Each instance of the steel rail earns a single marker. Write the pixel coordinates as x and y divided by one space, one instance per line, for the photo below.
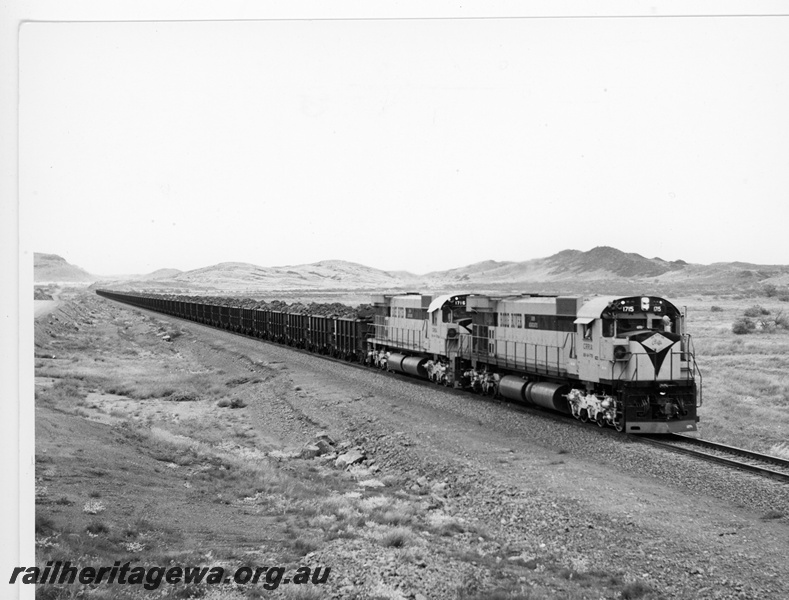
669 442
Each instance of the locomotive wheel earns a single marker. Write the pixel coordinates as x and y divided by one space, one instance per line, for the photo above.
619 425
583 416
599 420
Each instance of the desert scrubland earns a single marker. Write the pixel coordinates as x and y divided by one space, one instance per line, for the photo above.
162 442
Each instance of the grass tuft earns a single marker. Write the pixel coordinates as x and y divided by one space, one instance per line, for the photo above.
44 525
396 538
634 590
780 450
97 527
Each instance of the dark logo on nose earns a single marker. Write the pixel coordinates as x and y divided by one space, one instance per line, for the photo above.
657 346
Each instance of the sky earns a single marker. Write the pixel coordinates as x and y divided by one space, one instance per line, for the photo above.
405 144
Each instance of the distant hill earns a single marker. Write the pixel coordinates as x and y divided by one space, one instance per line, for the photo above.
54 268
610 265
610 260
602 267
327 274
160 274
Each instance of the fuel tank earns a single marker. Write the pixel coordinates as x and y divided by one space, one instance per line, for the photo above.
513 388
548 395
395 362
413 365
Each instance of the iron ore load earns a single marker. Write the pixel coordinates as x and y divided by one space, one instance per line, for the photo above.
625 362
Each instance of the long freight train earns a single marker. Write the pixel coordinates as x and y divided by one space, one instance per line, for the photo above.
623 362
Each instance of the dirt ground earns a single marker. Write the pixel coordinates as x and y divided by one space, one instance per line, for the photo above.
161 441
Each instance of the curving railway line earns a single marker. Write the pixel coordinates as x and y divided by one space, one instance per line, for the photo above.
730 456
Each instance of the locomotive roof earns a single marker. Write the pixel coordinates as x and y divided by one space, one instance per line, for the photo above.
439 301
595 307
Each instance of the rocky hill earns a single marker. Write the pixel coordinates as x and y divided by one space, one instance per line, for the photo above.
328 274
566 271
606 264
53 268
601 263
160 274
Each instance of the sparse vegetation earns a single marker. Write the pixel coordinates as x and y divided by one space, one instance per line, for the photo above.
780 450
756 311
304 546
747 324
97 527
635 589
743 325
93 507
228 403
183 396
396 537
772 514
769 290
44 525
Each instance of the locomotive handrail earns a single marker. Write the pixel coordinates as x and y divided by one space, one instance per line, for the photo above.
627 368
691 352
542 362
408 338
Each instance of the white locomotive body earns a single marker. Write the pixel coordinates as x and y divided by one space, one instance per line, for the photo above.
620 361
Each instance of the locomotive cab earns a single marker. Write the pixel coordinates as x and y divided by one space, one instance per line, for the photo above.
635 355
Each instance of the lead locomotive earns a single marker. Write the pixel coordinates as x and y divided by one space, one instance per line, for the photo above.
624 362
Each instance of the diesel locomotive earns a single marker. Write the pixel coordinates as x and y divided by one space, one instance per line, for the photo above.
624 362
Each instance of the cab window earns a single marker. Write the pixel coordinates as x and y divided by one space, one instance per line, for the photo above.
608 328
663 324
627 325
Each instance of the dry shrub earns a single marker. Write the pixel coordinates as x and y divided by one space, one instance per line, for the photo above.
303 592
374 503
636 589
780 450
44 525
340 507
183 396
743 325
445 525
396 537
97 527
395 517
756 311
304 546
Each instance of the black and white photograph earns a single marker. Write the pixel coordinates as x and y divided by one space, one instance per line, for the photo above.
395 301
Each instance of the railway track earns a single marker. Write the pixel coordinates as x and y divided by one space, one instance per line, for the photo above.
739 458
